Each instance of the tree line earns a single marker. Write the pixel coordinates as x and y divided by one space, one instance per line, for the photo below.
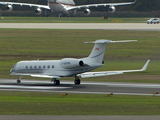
140 6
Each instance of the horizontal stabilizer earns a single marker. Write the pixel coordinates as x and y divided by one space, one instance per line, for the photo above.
110 41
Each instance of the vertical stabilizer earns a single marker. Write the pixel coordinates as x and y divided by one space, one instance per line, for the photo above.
98 51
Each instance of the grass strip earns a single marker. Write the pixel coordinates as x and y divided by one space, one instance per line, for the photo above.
26 103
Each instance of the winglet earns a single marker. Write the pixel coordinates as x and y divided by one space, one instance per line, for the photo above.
145 66
134 1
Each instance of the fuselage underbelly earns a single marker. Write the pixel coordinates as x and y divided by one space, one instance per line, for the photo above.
60 7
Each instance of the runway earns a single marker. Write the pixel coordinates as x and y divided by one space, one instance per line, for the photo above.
95 26
78 117
84 88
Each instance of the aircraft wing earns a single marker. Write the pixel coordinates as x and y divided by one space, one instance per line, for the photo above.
25 4
97 5
45 76
106 73
40 76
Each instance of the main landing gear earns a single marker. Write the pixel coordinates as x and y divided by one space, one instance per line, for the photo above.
77 81
55 81
19 79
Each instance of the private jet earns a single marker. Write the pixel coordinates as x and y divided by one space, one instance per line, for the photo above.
64 7
69 67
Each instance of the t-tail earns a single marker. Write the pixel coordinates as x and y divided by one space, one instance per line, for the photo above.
98 51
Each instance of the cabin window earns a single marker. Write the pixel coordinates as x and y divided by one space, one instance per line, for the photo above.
26 67
52 66
35 67
39 66
31 67
48 66
44 66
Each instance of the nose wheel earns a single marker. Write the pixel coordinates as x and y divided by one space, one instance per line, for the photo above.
77 81
19 79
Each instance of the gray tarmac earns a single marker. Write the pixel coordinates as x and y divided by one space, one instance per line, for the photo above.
99 26
85 87
77 117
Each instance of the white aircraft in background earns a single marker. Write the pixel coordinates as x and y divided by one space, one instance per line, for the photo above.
61 7
68 67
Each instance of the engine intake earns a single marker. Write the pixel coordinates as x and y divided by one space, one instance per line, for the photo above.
38 11
69 63
9 7
112 9
87 11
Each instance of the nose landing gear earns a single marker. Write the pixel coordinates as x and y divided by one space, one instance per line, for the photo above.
19 79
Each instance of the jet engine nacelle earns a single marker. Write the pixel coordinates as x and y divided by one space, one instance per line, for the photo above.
9 7
87 11
69 63
112 9
38 11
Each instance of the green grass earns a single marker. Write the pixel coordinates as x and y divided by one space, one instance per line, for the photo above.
30 103
22 44
69 20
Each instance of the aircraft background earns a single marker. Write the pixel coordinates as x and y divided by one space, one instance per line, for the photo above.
65 7
140 6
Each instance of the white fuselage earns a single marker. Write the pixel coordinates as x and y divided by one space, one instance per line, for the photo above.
49 67
65 67
59 7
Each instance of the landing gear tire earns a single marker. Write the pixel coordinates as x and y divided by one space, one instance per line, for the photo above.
56 82
77 82
18 81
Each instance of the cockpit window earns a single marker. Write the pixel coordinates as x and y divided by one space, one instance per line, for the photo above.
14 66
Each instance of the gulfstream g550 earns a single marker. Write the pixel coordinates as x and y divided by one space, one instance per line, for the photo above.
67 7
67 67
